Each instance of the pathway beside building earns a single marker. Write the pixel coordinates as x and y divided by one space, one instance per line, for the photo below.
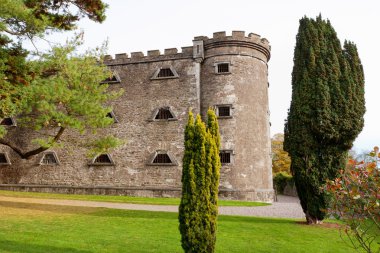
285 207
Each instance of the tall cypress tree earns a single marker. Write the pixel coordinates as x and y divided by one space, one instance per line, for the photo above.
200 180
326 111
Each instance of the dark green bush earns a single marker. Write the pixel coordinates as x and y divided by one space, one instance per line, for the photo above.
280 180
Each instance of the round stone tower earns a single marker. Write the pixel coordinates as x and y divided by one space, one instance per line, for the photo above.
234 81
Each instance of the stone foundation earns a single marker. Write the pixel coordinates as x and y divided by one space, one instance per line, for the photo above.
152 192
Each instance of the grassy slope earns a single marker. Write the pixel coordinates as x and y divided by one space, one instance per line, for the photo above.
120 199
35 228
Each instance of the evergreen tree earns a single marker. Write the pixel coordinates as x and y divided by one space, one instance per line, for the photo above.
200 180
55 90
326 111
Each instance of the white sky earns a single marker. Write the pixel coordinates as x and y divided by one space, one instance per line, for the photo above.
145 25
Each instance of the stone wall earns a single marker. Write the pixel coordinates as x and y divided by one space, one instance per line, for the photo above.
196 86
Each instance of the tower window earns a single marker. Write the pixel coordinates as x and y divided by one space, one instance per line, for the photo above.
49 158
222 68
8 122
224 111
102 159
4 160
225 156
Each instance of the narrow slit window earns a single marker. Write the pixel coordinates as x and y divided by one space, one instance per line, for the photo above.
225 157
49 159
162 158
165 72
4 160
8 122
164 113
223 68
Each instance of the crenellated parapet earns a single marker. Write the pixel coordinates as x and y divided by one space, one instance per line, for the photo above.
150 56
237 39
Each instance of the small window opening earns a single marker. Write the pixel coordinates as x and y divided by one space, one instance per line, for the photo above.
4 159
162 158
223 68
112 116
165 72
225 157
224 111
103 159
164 113
112 79
8 122
49 159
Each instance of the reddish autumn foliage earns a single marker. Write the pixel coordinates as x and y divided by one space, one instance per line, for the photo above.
355 199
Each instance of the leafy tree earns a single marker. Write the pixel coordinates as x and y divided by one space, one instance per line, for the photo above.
326 111
200 180
57 90
280 158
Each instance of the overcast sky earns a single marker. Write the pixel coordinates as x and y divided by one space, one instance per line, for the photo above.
145 25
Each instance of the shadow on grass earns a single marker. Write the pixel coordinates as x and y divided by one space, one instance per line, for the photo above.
47 207
256 220
91 211
23 247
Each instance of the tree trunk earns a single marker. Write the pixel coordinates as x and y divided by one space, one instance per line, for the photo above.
312 220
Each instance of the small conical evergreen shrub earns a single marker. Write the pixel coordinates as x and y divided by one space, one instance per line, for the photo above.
200 180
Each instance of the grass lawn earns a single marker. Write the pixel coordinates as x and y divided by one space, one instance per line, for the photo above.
120 199
36 228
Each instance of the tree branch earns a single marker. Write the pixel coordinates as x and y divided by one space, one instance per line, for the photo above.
12 32
29 154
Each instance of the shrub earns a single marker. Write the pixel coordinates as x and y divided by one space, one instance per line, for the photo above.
355 200
280 180
200 181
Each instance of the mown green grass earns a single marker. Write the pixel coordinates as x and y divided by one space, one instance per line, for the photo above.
120 199
37 228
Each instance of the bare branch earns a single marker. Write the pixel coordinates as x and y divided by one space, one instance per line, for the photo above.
29 154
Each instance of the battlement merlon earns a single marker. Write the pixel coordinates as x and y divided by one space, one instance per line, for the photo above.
200 43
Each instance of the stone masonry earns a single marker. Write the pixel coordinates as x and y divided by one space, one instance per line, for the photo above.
228 73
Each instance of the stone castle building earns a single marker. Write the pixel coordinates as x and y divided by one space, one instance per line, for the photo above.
228 73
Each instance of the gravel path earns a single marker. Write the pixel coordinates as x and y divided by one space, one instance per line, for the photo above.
285 207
